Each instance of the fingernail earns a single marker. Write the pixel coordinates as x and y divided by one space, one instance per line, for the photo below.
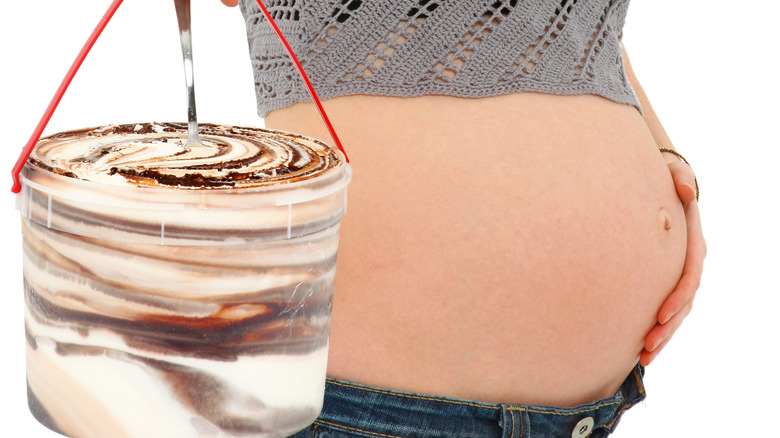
657 343
667 318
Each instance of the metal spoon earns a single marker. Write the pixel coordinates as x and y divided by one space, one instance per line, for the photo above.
185 34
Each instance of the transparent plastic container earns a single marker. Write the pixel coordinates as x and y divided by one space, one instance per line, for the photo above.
176 313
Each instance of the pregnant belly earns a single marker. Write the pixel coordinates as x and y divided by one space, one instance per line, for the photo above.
505 256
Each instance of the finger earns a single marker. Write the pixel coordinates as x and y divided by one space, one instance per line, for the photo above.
230 3
693 266
683 295
660 336
684 180
647 357
695 232
663 332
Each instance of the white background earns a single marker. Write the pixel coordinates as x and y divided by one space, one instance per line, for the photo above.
711 72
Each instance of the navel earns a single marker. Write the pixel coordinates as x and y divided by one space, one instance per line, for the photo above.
664 219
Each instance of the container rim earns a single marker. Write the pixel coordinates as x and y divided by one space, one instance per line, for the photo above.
280 194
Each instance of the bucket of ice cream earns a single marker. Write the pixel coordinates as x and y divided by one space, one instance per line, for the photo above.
176 292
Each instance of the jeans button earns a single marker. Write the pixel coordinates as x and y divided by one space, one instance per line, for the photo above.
583 428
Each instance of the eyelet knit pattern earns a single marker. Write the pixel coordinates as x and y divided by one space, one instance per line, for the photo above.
418 47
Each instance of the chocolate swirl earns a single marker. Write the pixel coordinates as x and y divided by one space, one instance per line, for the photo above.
154 155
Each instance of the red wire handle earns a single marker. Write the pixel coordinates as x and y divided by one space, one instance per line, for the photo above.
305 78
36 135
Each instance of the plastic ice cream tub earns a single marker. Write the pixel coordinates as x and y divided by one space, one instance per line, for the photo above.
174 292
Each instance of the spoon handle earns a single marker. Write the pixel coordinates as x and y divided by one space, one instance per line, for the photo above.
185 35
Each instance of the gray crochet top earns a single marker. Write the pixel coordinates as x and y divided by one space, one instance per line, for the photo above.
461 48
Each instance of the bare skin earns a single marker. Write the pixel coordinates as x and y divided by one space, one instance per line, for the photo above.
506 260
572 250
679 303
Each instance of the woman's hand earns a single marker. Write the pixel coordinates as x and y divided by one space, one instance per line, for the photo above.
230 3
678 303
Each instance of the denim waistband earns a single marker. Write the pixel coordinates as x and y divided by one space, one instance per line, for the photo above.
366 411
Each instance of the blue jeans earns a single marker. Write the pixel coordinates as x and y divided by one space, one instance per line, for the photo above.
353 410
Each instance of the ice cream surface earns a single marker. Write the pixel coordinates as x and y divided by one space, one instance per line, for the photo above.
154 155
174 293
